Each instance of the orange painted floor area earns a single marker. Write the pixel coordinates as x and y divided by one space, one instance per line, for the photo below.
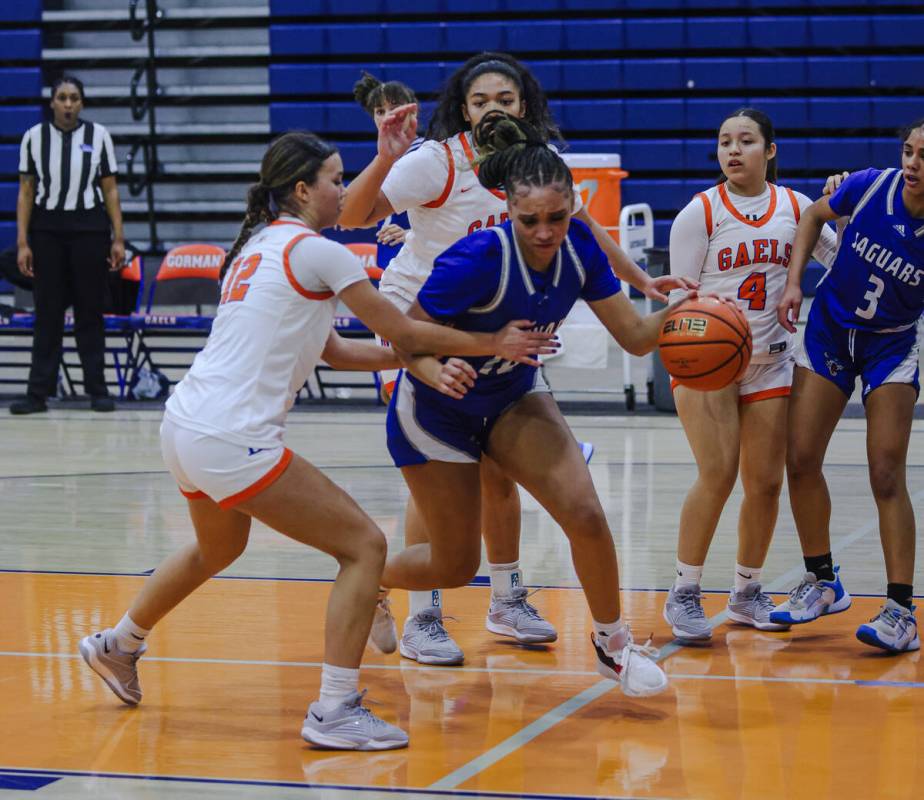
811 713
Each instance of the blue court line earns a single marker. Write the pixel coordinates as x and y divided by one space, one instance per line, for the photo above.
58 774
566 709
478 580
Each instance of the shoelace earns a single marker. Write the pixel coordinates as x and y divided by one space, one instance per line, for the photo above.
691 603
802 591
892 617
764 602
435 629
365 712
518 601
644 649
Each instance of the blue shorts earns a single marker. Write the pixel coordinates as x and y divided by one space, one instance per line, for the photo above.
843 354
420 430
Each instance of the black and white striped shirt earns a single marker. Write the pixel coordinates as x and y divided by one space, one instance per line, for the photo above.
67 167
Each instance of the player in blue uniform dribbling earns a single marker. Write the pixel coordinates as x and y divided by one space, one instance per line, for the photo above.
865 322
533 267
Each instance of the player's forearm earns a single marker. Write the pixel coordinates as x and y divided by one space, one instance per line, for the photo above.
807 235
644 336
424 368
623 266
423 338
24 203
362 357
361 195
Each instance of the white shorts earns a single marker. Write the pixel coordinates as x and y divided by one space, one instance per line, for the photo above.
766 381
400 301
227 473
763 381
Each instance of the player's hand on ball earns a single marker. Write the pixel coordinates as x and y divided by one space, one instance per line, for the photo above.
455 378
516 342
399 129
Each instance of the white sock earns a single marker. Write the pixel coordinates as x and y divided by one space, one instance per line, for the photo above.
612 636
424 601
129 636
746 575
688 575
505 578
337 684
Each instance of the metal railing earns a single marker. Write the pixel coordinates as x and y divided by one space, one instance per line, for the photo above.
143 180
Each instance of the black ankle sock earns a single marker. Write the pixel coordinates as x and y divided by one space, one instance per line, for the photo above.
901 593
821 566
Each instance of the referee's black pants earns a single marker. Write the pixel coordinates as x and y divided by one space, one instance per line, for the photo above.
70 269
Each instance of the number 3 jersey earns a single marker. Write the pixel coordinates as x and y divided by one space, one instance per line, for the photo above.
877 280
740 247
483 282
277 304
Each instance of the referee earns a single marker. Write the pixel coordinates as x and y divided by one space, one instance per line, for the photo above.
69 234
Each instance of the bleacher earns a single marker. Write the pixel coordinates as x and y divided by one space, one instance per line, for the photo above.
836 80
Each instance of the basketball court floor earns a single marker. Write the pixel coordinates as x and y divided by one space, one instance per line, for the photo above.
88 509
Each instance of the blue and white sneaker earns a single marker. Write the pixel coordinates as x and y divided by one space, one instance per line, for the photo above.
894 629
587 450
812 599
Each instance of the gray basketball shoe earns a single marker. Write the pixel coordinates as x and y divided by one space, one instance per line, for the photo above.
427 641
351 726
119 670
683 611
752 606
513 616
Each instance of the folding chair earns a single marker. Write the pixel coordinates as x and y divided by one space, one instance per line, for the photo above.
188 275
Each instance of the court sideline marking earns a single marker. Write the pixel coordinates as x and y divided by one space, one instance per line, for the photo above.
561 712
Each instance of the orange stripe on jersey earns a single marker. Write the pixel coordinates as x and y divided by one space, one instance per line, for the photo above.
291 276
768 214
707 210
766 394
450 180
470 155
795 204
260 485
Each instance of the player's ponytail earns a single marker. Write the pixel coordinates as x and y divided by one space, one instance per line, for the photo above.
513 153
293 157
371 93
766 131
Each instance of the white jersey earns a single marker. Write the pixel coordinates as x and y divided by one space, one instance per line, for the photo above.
274 317
437 184
740 247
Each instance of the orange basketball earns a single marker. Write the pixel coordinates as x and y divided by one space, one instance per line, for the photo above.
705 344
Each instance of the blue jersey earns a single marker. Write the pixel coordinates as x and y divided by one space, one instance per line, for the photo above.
483 282
386 252
876 282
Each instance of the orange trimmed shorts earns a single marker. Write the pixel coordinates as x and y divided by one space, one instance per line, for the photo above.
763 381
227 473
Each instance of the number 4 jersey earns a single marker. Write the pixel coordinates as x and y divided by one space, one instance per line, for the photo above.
740 247
877 280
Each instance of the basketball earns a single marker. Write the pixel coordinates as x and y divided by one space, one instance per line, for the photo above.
705 344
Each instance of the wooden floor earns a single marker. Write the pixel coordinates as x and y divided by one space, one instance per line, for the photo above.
88 509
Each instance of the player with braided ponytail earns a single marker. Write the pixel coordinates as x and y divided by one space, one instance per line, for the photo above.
223 431
539 262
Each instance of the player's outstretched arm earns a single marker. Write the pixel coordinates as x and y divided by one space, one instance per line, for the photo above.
364 203
340 353
807 235
627 270
515 342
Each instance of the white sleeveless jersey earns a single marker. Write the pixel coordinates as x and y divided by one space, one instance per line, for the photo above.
748 251
437 185
274 317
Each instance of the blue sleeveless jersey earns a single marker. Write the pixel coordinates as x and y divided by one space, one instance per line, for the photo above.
482 282
876 282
